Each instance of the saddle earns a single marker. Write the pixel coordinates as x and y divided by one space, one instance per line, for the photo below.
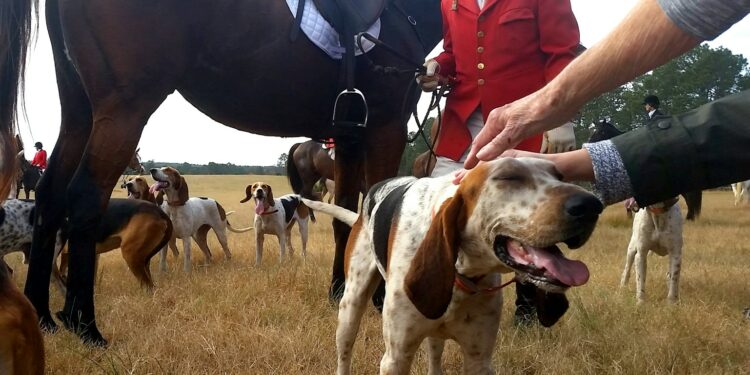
360 13
348 18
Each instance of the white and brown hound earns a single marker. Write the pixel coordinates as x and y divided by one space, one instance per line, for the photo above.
191 217
441 249
657 228
139 228
741 192
277 216
138 188
21 342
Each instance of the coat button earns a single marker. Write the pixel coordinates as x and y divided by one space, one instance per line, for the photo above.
664 124
480 34
480 81
480 66
480 49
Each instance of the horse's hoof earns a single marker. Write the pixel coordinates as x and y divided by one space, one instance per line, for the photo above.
47 324
88 333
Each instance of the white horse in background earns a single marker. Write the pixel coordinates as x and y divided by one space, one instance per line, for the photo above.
741 192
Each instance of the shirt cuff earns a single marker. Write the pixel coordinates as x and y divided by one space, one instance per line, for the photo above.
611 181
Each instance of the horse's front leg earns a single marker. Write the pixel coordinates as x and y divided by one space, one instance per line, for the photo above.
50 201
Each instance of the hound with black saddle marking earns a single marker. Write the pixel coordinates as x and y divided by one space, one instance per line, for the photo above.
191 217
277 216
442 248
656 228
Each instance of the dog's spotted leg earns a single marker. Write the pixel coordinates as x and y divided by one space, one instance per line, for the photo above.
640 274
673 281
628 264
258 247
186 248
435 348
362 279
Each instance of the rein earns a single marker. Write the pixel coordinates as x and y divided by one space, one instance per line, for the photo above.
469 286
443 89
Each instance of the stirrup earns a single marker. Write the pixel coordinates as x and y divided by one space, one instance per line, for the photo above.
350 109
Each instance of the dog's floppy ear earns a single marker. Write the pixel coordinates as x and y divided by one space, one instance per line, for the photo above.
269 198
248 193
159 199
182 191
429 282
550 307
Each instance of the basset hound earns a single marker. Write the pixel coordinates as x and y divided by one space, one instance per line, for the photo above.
276 216
21 342
138 188
441 249
656 228
138 228
191 217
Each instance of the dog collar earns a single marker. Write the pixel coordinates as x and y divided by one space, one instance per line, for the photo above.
665 206
270 212
469 285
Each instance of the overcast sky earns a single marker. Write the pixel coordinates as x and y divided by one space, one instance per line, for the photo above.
202 140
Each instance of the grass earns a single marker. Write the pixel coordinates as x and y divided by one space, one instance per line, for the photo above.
234 318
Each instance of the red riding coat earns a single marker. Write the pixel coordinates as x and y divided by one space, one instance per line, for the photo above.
40 159
506 51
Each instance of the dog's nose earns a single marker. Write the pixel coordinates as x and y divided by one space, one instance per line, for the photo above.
582 206
153 170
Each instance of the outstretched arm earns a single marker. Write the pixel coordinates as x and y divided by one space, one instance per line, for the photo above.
645 39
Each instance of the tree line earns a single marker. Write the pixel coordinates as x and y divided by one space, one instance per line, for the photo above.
218 168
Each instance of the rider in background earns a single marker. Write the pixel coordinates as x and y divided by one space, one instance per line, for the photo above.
40 158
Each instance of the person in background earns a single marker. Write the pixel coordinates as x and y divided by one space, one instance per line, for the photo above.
497 51
40 157
651 105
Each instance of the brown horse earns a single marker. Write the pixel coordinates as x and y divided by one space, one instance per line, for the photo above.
230 59
135 164
308 163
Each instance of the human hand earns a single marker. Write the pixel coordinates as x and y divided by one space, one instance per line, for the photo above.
510 124
429 81
572 165
559 139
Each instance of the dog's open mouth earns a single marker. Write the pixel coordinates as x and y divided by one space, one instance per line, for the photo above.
132 193
545 267
259 206
158 185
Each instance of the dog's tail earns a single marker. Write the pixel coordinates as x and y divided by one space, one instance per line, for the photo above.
346 216
232 229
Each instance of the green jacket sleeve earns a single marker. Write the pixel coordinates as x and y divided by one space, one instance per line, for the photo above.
700 149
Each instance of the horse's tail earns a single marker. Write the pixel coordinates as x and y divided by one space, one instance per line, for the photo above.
292 173
15 28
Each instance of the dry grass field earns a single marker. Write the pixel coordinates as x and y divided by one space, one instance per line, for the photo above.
234 318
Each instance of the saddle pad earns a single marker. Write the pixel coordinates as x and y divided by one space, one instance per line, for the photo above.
322 34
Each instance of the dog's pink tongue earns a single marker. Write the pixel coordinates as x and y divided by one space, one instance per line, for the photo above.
259 207
156 186
569 272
